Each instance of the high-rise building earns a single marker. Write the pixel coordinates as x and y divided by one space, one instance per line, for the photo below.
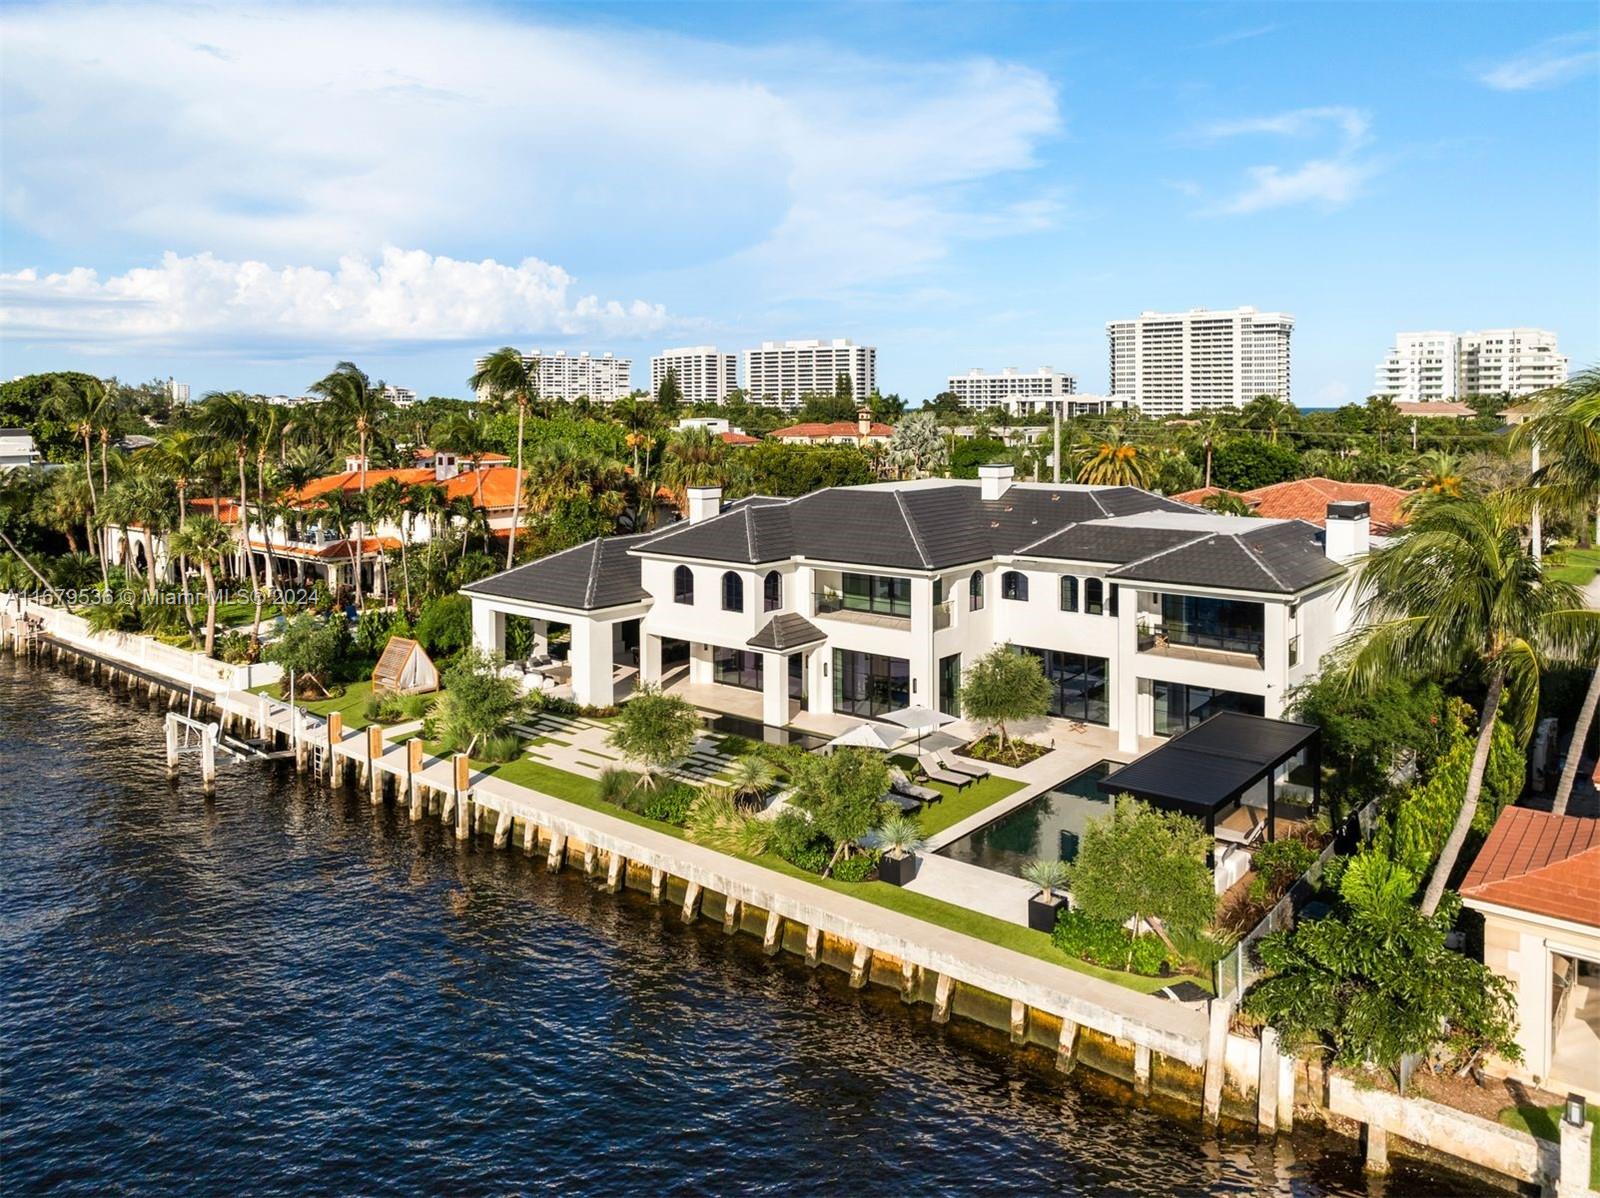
703 374
177 392
1176 362
565 376
401 397
1017 391
1493 362
782 373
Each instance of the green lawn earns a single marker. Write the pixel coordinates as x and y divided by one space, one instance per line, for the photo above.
351 704
241 612
958 804
1576 566
1544 1123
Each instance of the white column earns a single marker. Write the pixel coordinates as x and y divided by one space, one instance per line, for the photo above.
1124 629
541 637
649 658
924 680
774 689
488 627
1275 657
819 681
591 663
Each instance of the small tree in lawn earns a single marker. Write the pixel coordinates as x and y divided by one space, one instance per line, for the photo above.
1004 687
478 701
843 793
308 647
1147 866
655 730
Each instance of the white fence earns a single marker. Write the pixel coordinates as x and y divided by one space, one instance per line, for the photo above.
143 653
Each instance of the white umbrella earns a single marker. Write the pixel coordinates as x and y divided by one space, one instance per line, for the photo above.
919 719
867 736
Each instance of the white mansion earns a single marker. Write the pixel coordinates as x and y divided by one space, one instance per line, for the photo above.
1147 614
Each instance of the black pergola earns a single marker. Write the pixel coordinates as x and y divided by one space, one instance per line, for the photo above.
1214 765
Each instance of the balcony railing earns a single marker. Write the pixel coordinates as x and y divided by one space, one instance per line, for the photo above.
1173 635
832 603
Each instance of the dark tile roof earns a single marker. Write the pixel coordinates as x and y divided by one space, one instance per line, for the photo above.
788 630
1281 558
597 574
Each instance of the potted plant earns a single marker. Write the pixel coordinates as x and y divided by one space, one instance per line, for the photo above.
899 838
1049 874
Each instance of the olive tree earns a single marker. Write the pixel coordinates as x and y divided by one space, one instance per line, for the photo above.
1004 687
655 730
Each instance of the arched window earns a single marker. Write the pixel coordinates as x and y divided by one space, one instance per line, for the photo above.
1093 596
683 585
1014 585
732 592
975 591
772 591
1069 592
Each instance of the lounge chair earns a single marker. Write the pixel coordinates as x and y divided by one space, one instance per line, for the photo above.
923 794
960 767
936 773
906 803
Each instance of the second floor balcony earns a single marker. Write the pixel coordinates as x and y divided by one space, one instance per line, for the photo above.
1219 631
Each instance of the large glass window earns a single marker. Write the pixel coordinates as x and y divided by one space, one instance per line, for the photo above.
1093 596
1234 625
732 591
736 667
1014 585
1080 684
877 593
869 683
772 591
1069 592
683 585
1179 707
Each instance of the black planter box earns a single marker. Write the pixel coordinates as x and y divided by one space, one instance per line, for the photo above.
897 871
1042 912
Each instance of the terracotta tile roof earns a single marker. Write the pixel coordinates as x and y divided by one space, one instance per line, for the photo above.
738 439
333 549
499 483
1434 407
1542 863
427 452
1308 499
227 510
838 428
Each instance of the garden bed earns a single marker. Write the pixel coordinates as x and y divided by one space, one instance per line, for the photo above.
1016 752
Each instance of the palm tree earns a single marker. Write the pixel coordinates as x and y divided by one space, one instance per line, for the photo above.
694 458
266 439
229 418
205 540
357 402
1210 430
1436 473
1384 417
465 435
66 504
84 411
1566 426
1112 461
751 777
389 500
1459 589
506 376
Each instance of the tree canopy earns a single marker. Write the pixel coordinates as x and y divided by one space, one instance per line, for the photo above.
1004 687
1137 863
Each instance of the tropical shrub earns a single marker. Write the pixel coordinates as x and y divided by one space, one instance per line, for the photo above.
310 648
500 746
1003 687
1277 864
477 702
445 625
655 730
1374 981
1106 942
856 869
1141 865
715 819
799 842
616 786
373 630
668 803
233 647
842 792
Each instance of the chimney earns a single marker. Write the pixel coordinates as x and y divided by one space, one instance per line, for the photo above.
704 503
994 480
1349 530
864 422
445 466
352 463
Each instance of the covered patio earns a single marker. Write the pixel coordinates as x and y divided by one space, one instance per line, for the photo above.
1238 774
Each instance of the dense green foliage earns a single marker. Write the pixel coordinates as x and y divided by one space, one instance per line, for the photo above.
1106 942
309 647
1244 463
1004 687
842 794
655 730
1375 981
444 625
478 702
1277 864
1366 736
1139 864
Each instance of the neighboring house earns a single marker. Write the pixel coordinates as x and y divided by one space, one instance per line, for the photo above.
864 430
1536 882
305 548
1308 499
17 448
1146 615
719 428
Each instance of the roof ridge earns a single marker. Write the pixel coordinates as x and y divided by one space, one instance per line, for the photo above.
1150 557
1071 524
749 535
916 538
1257 557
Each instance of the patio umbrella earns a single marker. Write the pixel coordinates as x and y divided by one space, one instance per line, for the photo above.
919 719
867 736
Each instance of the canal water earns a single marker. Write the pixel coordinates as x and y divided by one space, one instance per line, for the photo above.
285 993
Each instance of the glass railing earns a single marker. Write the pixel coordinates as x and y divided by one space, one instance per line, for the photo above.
1179 634
832 602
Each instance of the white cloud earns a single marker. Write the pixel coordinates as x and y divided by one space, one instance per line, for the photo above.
302 134
1551 63
1238 35
1330 180
406 297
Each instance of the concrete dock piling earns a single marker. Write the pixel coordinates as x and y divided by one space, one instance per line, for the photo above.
1019 1021
557 853
860 966
463 780
658 883
730 915
413 780
691 902
772 938
615 871
335 738
1141 1068
943 991
813 945
374 774
1066 1046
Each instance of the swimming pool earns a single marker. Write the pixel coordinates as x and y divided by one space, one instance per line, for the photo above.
1048 824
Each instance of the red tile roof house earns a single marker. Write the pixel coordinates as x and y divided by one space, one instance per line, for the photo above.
1536 882
863 431
1308 499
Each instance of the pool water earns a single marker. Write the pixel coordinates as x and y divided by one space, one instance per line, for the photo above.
1047 825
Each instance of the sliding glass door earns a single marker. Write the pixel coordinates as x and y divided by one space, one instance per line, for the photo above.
869 684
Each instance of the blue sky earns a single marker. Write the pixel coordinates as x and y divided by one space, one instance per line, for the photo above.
239 196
